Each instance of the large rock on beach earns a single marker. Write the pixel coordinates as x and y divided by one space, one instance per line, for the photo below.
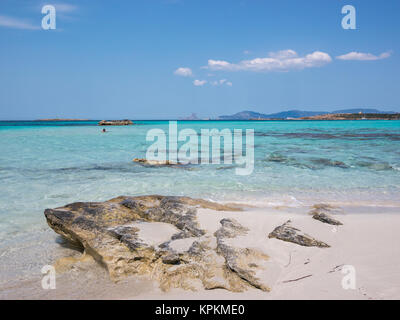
247 263
160 237
287 232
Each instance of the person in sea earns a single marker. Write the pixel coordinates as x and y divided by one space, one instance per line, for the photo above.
104 130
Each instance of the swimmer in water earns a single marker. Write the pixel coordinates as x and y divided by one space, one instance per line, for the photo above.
104 130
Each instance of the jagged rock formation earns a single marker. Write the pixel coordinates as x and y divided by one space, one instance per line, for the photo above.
319 212
230 229
160 237
288 233
243 261
326 219
115 123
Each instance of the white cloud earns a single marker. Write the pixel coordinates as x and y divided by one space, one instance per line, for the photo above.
276 61
283 54
221 82
183 72
64 7
364 56
218 64
16 23
199 83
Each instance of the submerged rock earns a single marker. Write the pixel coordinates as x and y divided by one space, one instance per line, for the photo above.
160 237
288 233
156 163
329 163
276 157
377 166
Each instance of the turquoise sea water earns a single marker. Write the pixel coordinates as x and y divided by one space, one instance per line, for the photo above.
50 164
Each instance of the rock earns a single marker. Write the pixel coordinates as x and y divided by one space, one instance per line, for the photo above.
198 247
136 235
171 259
276 157
165 163
155 162
288 233
330 163
115 123
320 211
244 262
230 229
323 206
326 219
127 235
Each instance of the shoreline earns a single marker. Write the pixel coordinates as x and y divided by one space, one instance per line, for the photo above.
294 272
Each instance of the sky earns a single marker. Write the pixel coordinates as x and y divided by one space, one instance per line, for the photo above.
164 59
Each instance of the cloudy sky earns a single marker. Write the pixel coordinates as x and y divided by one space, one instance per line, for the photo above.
157 59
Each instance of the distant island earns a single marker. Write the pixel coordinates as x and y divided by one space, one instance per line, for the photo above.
193 116
355 116
299 114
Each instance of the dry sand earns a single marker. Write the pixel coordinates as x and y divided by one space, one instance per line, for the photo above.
368 242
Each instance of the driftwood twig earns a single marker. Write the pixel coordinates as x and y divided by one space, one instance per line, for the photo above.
293 280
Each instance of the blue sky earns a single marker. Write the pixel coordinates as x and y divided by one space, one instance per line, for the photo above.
155 59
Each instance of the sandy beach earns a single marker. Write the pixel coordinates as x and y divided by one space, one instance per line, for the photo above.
366 242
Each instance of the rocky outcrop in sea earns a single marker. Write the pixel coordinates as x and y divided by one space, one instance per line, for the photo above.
115 123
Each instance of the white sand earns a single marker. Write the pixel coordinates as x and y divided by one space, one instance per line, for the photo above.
369 241
155 233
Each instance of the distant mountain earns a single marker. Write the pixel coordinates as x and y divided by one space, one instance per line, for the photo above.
362 110
193 116
294 114
247 115
244 115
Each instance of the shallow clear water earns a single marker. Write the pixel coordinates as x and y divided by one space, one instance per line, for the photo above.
51 164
